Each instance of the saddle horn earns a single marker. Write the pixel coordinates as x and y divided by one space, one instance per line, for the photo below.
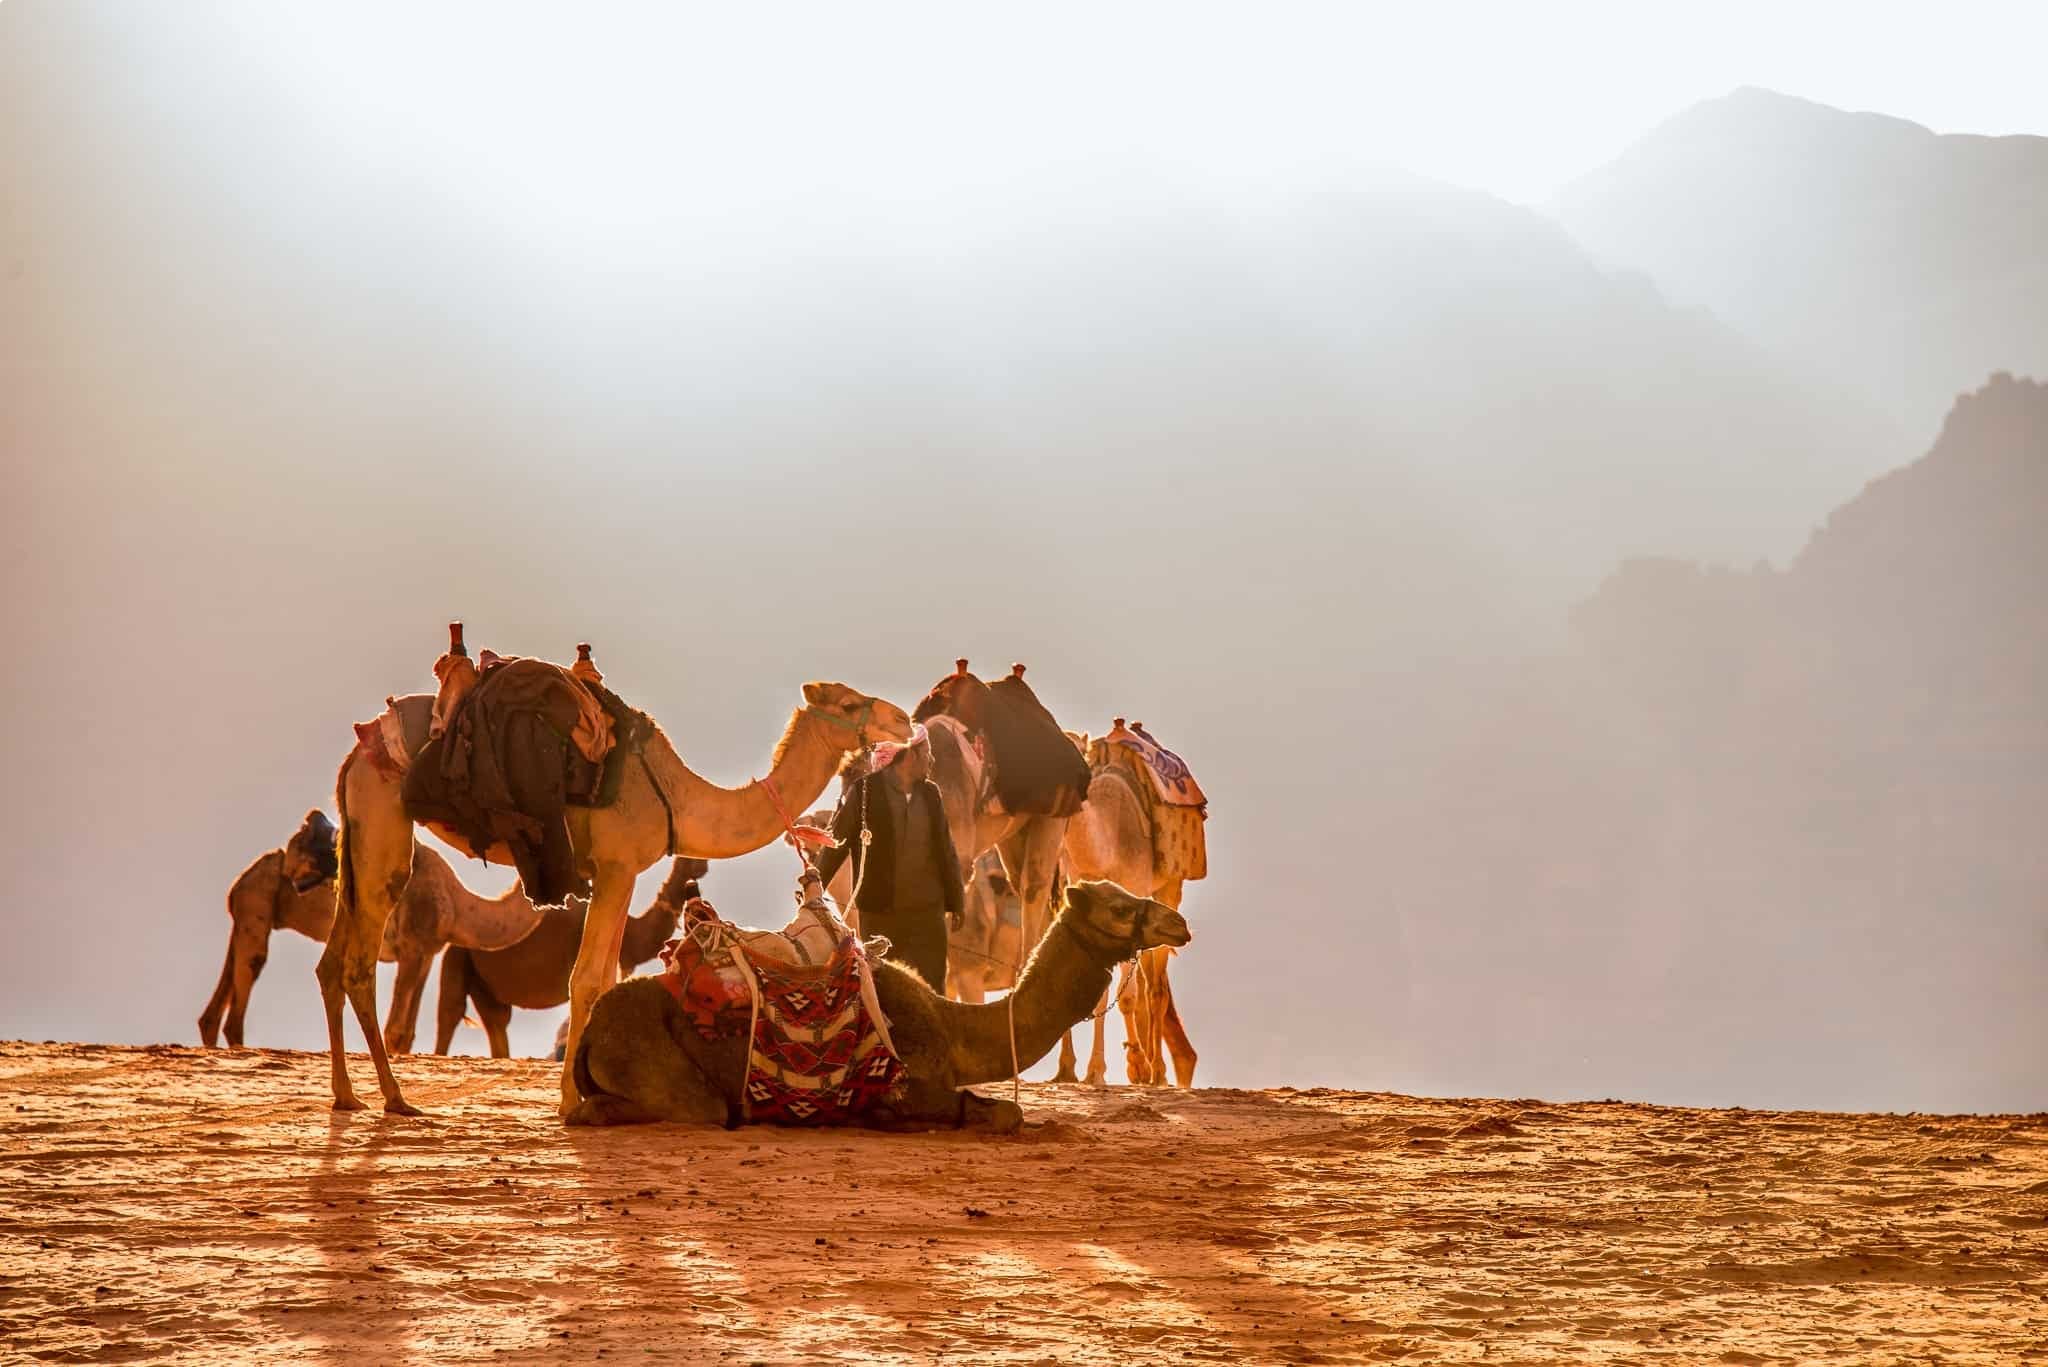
455 645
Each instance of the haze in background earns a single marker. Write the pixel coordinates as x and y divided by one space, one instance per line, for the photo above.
1898 263
1152 349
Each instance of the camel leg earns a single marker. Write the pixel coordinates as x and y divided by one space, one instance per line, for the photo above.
1177 1042
1133 1002
497 1018
249 951
597 961
377 847
1152 967
454 998
1098 1066
407 990
209 1019
329 971
1165 1019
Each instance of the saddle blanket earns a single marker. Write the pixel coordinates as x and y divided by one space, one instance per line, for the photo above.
1172 780
820 1052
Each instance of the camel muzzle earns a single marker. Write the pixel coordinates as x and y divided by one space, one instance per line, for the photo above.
1165 926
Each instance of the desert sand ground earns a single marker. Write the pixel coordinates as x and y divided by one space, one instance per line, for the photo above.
165 1204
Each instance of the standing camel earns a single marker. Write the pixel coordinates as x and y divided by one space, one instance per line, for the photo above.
1112 838
293 889
662 808
1028 843
534 974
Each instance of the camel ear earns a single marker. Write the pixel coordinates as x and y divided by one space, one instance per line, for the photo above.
814 694
1084 896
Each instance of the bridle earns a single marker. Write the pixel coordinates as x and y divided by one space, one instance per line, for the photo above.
859 726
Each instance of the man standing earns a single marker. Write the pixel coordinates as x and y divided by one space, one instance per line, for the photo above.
911 889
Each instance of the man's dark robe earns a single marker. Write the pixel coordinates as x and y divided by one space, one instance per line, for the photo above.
912 889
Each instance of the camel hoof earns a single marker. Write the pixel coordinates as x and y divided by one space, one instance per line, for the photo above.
1065 1075
347 1103
398 1105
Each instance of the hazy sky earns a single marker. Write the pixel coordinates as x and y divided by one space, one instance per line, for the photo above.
910 100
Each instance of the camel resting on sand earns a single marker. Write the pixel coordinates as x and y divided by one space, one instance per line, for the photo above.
293 889
534 974
639 1058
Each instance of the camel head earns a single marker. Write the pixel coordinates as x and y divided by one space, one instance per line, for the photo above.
854 720
1104 914
685 870
309 858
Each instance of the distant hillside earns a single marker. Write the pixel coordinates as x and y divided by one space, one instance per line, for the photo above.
1846 762
1863 248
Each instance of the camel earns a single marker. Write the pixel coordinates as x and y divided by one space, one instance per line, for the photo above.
1111 837
662 808
534 974
982 952
1028 844
641 1060
293 889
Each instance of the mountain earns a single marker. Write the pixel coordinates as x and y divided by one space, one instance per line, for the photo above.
1846 764
1902 263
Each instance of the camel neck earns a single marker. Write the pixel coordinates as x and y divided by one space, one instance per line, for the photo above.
1059 987
714 822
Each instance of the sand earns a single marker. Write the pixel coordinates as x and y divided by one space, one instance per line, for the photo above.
169 1204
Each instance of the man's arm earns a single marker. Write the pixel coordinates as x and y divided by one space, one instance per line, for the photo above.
949 858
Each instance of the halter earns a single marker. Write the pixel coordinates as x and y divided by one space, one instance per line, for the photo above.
858 725
800 836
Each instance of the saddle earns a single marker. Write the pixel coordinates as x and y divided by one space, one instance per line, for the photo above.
525 742
1032 767
1175 808
819 1051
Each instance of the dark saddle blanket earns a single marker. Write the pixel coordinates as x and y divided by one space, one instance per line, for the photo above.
1034 768
504 771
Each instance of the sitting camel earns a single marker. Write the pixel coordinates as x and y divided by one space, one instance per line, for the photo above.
662 808
641 1060
534 974
293 889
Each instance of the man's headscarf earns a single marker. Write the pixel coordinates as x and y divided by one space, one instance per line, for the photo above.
888 752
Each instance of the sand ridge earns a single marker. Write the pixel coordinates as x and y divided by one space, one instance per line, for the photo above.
170 1204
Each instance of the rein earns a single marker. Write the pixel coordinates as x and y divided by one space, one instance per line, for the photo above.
800 837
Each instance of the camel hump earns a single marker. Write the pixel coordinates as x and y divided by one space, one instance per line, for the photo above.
1037 768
